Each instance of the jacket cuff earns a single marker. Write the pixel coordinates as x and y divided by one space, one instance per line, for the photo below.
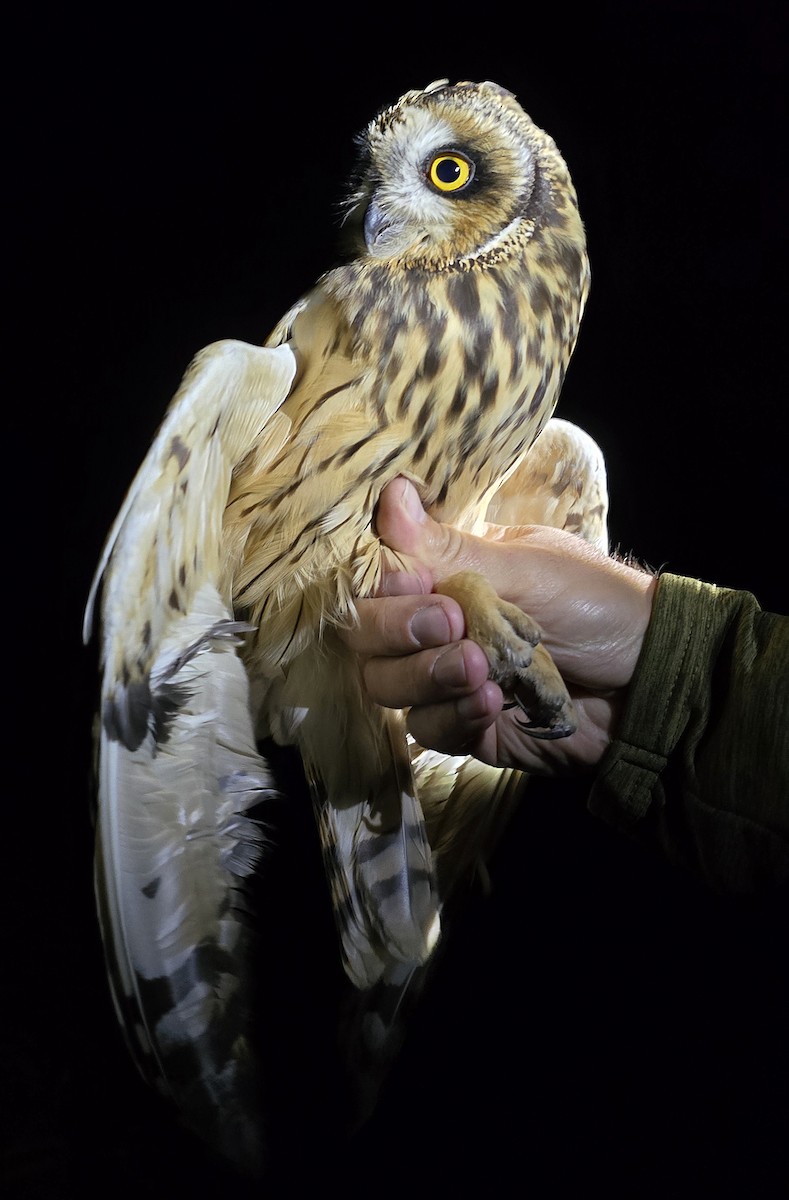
681 636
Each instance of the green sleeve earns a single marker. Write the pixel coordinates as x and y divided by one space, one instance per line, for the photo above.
700 763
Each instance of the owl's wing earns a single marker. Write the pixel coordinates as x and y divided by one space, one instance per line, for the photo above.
561 482
178 769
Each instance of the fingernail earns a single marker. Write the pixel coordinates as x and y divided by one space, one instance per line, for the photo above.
449 669
471 708
430 626
401 583
412 504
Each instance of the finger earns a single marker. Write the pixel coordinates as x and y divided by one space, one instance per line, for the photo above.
403 583
403 624
462 726
426 677
404 526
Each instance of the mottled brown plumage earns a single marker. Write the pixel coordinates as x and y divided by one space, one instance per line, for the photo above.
437 351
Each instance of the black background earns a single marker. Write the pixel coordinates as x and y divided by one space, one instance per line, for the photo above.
601 1020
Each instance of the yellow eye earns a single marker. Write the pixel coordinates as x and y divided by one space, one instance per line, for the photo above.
450 172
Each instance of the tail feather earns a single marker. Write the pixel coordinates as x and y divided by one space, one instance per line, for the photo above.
467 807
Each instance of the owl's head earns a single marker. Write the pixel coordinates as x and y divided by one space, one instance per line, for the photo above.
451 175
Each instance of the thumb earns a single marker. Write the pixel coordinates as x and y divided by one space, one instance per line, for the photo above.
403 525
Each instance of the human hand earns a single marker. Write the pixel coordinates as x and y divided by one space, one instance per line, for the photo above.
593 611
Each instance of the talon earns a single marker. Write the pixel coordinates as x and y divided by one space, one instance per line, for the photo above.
564 724
546 735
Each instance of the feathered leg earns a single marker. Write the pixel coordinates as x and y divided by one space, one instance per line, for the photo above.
376 851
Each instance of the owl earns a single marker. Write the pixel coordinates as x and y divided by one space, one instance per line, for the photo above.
435 350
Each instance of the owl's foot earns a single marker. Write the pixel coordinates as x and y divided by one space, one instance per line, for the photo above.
523 669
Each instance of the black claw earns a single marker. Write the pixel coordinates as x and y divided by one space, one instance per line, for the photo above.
540 730
546 735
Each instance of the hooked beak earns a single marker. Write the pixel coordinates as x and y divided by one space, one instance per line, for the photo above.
380 233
